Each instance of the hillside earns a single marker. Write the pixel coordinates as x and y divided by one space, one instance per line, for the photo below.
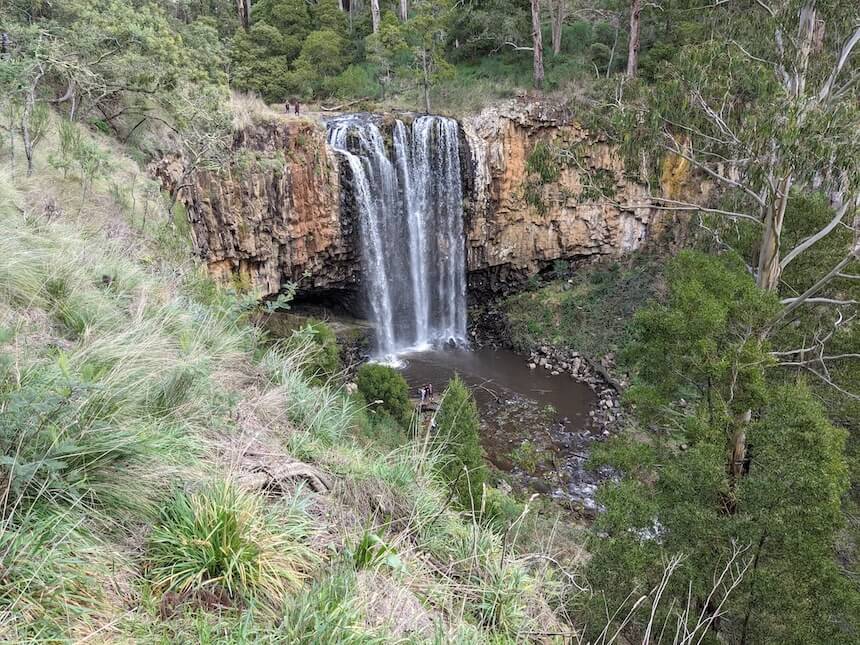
158 441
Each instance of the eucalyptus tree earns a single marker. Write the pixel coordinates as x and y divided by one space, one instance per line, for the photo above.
634 42
766 108
700 377
764 105
537 46
558 9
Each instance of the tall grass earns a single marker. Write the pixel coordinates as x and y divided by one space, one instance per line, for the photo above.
223 538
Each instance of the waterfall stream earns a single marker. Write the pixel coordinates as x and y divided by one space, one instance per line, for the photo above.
410 203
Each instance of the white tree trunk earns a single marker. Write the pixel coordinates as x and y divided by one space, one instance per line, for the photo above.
374 14
425 72
404 10
560 7
633 47
537 44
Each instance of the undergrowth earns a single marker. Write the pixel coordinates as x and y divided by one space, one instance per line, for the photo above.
586 309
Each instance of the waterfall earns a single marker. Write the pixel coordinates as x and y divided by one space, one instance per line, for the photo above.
410 208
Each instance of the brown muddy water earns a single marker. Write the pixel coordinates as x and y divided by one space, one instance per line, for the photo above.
536 427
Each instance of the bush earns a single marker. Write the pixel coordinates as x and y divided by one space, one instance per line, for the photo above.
380 431
576 37
223 538
355 81
323 357
599 55
382 383
457 440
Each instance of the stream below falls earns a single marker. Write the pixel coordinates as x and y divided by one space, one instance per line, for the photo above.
406 183
536 427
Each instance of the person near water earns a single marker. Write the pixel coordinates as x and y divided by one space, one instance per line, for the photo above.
296 107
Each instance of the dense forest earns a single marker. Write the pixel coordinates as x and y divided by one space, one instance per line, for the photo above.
131 381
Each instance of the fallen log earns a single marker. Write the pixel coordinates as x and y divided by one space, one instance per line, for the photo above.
338 108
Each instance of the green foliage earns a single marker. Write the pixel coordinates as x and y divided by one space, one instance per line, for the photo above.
500 510
543 161
589 314
58 441
47 579
379 431
456 437
292 48
599 185
705 343
322 361
372 550
771 485
354 81
527 456
327 613
382 383
787 514
223 538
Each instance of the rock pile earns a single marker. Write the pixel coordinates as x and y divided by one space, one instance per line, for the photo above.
607 414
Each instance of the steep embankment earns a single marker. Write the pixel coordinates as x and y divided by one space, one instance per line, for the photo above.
169 476
538 188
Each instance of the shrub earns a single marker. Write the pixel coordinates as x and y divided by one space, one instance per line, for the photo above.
500 510
323 357
382 383
599 55
354 81
457 440
543 161
377 430
221 537
576 37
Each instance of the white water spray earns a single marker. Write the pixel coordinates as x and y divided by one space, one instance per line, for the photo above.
410 207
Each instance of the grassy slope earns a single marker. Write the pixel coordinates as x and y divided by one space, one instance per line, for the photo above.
587 309
137 408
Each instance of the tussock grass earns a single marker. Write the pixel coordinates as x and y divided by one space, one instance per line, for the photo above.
222 537
248 109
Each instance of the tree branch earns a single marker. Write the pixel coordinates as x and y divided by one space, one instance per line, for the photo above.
676 149
806 296
812 239
849 45
518 47
827 301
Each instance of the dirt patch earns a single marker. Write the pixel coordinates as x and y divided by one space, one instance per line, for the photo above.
387 604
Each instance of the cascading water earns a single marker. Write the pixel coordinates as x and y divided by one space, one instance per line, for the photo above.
411 222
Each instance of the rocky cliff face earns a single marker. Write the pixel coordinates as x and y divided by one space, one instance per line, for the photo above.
544 189
539 188
274 213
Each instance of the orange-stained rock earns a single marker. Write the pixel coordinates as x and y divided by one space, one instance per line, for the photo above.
520 223
273 214
282 210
